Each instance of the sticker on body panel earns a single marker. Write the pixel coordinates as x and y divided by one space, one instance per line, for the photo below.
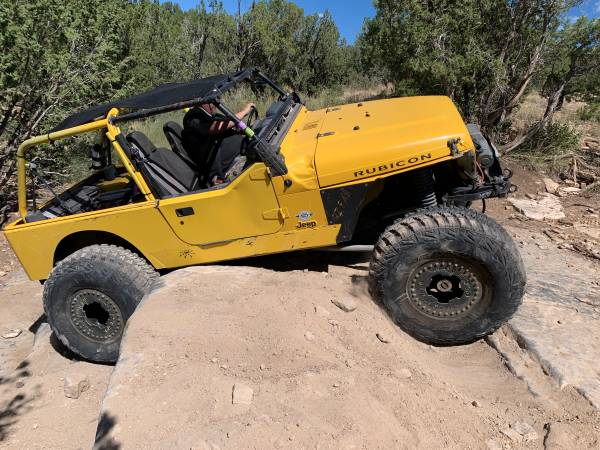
392 165
304 220
304 216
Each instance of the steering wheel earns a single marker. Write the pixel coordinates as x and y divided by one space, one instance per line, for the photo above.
252 116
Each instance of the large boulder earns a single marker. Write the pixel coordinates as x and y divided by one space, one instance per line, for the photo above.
238 357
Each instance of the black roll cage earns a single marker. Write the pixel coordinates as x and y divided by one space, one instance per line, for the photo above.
213 97
270 155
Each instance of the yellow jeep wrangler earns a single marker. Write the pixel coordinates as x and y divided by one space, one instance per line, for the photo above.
397 174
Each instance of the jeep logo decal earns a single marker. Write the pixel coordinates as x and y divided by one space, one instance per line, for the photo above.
392 165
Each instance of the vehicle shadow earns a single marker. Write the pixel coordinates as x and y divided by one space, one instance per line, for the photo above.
103 440
13 403
310 260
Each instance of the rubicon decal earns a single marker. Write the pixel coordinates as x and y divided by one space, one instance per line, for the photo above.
393 165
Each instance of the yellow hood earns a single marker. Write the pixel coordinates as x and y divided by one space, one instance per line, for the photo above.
369 139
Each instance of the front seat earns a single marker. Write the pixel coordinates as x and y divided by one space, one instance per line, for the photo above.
166 173
173 132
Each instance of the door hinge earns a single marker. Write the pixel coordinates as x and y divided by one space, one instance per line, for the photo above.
276 214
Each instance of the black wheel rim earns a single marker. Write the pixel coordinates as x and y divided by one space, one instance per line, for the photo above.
447 288
95 315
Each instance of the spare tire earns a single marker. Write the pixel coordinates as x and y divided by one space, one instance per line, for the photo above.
447 275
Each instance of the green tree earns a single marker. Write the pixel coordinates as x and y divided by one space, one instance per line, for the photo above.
572 71
483 54
56 57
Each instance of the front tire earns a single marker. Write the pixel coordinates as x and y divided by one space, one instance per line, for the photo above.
89 296
447 275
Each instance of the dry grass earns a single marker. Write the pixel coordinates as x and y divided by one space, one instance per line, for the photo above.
534 105
581 161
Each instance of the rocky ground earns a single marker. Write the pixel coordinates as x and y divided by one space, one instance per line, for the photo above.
273 362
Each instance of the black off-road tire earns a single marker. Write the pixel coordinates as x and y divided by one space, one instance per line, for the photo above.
447 275
89 296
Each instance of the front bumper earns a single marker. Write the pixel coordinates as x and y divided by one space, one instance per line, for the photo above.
498 186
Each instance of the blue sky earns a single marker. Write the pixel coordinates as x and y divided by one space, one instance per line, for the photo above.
350 14
590 8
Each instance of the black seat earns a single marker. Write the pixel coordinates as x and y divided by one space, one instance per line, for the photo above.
173 132
165 171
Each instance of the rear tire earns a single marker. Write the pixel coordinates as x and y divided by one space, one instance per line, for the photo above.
89 296
447 275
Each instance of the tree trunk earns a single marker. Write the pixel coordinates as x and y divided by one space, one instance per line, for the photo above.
551 107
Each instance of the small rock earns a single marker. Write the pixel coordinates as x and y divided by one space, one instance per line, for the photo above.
548 207
12 334
512 434
405 373
241 394
493 445
75 385
551 185
476 404
559 437
262 367
350 363
3 273
525 430
309 336
224 366
569 190
214 360
383 338
35 426
336 385
345 304
19 384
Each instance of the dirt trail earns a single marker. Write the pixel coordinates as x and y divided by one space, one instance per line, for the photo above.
34 412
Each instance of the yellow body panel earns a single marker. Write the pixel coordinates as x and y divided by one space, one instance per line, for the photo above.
256 214
298 148
140 223
363 141
246 207
144 227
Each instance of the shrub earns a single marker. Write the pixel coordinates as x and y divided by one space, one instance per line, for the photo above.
555 139
590 112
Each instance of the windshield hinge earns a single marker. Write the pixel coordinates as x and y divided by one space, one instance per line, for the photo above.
276 214
327 133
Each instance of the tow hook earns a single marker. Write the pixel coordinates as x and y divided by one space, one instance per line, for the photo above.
452 145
